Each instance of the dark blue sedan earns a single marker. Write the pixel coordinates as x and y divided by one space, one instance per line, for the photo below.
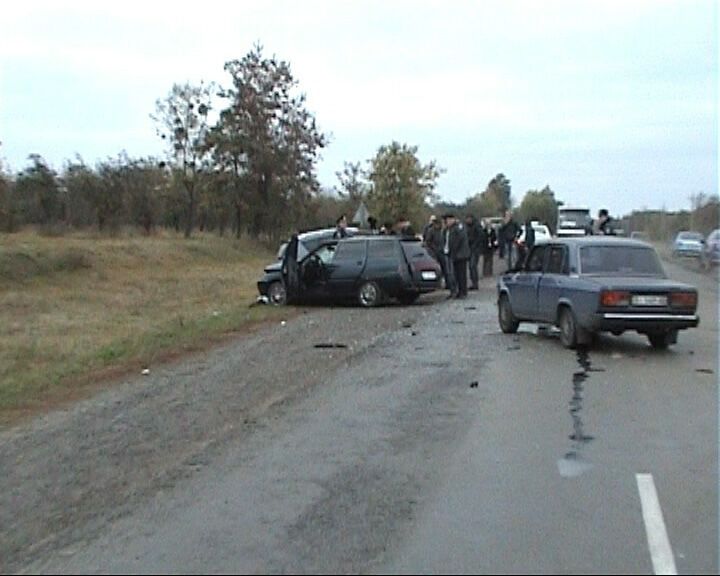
590 285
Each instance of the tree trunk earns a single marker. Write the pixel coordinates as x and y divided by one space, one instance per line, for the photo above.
190 209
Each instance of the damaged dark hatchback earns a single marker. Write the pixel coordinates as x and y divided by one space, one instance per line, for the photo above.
366 269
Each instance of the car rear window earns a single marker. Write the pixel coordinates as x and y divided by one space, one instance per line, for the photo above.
620 260
690 236
414 250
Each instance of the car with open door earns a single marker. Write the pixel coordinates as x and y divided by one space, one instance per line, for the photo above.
366 269
596 284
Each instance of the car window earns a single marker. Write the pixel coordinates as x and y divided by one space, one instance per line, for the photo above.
382 249
689 236
347 251
620 260
557 260
326 253
535 260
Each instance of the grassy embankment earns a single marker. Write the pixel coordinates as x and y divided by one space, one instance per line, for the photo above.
79 308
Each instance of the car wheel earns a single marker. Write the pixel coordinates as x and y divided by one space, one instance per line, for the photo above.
408 298
660 340
277 294
568 328
369 295
508 323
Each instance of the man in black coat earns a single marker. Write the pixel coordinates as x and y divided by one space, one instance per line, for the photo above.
489 240
457 249
474 234
508 234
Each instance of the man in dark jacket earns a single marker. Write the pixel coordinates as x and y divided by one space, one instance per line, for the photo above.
457 248
508 234
474 234
529 240
488 241
606 225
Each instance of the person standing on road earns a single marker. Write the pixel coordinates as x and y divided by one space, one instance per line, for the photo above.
457 249
488 241
448 269
474 235
529 240
606 225
508 234
432 239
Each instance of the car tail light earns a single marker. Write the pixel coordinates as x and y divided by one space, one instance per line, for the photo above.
683 300
613 298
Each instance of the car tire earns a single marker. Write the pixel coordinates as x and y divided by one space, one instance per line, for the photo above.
508 323
370 295
568 328
277 294
408 298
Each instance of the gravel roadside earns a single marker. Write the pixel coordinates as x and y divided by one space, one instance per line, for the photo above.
67 473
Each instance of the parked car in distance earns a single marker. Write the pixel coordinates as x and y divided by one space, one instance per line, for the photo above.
542 232
688 244
366 269
596 284
711 251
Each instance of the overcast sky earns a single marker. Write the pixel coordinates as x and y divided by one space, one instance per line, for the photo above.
612 104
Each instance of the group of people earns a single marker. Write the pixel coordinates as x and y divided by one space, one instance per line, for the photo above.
458 247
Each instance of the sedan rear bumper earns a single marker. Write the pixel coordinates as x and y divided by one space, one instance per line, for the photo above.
647 322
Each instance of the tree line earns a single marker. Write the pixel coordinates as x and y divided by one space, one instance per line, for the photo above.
242 159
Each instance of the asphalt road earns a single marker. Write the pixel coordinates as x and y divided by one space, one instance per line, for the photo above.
431 444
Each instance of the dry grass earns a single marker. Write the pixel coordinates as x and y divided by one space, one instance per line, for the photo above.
79 305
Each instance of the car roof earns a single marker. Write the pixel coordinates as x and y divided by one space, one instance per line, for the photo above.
324 232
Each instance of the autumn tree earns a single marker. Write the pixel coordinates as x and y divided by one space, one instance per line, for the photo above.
267 141
400 184
182 121
539 205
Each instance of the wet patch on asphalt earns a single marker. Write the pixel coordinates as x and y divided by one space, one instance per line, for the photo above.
574 463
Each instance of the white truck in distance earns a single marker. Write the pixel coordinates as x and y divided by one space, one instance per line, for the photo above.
573 222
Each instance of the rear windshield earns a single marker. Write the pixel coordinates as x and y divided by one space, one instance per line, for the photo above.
574 218
620 261
414 250
690 236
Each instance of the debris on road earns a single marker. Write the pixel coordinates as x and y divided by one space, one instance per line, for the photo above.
330 345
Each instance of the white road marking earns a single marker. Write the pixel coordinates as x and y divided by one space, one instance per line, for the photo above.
658 541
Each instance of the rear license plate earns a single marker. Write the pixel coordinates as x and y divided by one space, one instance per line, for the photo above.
649 300
429 275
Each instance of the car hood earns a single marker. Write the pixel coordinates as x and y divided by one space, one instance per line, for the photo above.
274 267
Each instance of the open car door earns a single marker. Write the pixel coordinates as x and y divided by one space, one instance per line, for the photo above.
290 271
